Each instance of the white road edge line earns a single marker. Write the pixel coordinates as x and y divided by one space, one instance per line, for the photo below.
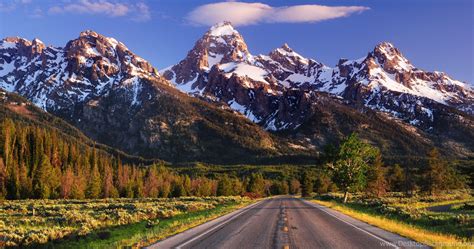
246 209
367 232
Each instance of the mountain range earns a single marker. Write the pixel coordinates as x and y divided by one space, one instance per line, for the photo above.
222 104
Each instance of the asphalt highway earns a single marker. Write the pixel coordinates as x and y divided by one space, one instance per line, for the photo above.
286 222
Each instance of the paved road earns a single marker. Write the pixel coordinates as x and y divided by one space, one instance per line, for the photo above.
285 222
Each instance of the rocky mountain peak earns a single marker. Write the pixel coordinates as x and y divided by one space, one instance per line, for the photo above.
286 48
390 58
87 67
88 32
222 44
22 46
290 60
13 42
105 56
222 29
219 45
289 53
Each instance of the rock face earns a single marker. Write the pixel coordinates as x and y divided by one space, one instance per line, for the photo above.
272 89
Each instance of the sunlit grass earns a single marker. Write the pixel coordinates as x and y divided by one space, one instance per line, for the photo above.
437 240
105 223
139 235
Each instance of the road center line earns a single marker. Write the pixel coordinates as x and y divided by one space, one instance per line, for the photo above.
348 223
246 209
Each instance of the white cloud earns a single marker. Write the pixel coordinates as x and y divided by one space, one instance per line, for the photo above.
240 13
143 13
92 7
137 12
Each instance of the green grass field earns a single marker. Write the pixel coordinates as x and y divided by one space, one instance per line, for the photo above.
105 223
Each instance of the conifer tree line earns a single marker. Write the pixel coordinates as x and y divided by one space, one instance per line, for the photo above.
40 163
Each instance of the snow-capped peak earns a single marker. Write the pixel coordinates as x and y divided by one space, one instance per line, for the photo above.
88 66
222 29
37 41
391 58
286 51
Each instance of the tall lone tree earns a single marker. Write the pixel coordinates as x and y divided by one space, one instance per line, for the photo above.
351 163
306 184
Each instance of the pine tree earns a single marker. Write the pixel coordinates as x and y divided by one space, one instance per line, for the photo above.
439 175
138 191
295 186
187 185
435 174
3 180
224 186
376 183
108 188
94 187
151 183
306 184
41 181
67 181
79 185
396 178
165 189
25 183
178 189
257 184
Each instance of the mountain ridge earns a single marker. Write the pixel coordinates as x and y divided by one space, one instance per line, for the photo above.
357 81
242 107
117 98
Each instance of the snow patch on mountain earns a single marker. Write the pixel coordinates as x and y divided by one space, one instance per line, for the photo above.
222 29
244 70
243 110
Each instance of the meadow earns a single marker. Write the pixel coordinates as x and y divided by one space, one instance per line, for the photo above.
121 222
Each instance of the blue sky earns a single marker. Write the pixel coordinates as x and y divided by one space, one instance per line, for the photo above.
432 34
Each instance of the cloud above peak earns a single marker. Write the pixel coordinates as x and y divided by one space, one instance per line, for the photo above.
92 7
241 14
138 12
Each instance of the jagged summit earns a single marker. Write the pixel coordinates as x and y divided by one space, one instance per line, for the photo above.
37 41
289 54
286 47
220 45
222 29
391 58
89 32
11 42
